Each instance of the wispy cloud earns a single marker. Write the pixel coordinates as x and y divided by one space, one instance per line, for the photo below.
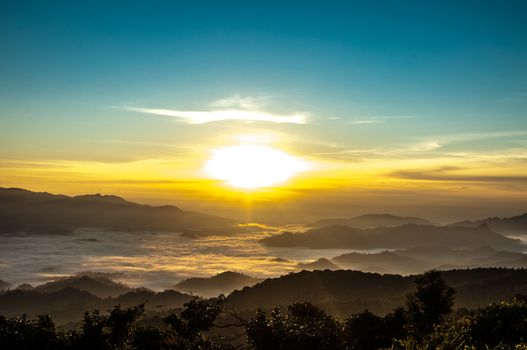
243 102
460 137
424 146
248 111
449 174
365 121
433 142
377 119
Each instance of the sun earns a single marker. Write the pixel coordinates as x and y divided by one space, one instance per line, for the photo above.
252 166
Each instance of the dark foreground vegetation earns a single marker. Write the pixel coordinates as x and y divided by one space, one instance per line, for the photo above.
425 321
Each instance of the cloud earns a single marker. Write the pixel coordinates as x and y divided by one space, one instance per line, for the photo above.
365 121
461 137
445 174
377 119
434 142
237 101
202 117
424 146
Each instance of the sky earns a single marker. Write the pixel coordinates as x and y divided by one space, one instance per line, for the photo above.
407 107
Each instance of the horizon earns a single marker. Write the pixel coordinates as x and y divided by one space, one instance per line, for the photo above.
335 216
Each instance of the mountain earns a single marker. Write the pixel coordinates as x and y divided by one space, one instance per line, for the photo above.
4 285
24 286
382 262
93 284
222 283
512 225
420 259
500 259
69 304
343 292
400 237
32 212
371 221
439 255
320 264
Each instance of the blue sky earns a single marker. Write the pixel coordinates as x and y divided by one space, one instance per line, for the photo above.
444 59
370 76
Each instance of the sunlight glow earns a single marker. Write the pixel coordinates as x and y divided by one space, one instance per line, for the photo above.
250 166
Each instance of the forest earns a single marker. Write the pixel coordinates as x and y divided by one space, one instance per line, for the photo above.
426 320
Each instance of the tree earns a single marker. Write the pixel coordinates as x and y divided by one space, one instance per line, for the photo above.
363 331
188 327
304 326
21 333
427 306
114 331
500 324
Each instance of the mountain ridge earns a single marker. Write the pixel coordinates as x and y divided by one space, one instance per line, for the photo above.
398 237
371 221
41 212
506 225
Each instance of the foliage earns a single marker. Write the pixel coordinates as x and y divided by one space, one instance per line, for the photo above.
21 333
367 331
428 304
304 326
503 324
118 330
420 325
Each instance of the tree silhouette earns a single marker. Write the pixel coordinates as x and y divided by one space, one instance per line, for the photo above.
304 326
428 304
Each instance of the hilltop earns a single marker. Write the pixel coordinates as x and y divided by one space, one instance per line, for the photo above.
42 212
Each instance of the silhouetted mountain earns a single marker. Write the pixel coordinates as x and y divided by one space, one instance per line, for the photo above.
320 264
512 225
399 237
500 259
382 262
371 221
439 255
344 292
25 211
4 285
167 299
65 305
222 283
69 304
420 259
24 286
96 285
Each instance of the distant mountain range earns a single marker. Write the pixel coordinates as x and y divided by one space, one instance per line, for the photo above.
419 259
68 304
4 285
512 225
92 283
222 283
32 212
371 221
320 264
399 237
383 262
